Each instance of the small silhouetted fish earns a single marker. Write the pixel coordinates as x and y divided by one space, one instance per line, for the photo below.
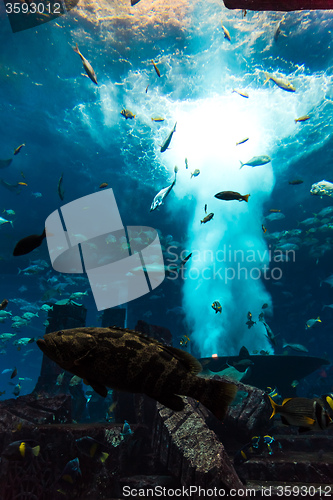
70 476
3 304
207 218
156 69
103 185
167 141
20 450
231 195
302 118
17 150
185 260
14 373
295 182
256 161
17 390
5 163
126 113
87 66
92 448
60 188
28 244
241 93
126 360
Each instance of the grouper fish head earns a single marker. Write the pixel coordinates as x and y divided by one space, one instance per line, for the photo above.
66 346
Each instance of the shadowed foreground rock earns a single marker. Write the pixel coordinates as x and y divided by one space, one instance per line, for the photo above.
32 410
191 452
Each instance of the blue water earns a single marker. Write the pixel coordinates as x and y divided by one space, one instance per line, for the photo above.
71 126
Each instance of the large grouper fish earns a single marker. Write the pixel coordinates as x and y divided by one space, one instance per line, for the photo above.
128 361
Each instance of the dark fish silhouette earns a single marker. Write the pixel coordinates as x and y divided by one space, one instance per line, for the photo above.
232 195
128 361
28 244
60 188
167 141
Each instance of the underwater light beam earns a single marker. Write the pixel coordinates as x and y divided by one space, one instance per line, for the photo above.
229 252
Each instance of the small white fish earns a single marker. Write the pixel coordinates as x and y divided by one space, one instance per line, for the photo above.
241 93
280 82
226 33
4 221
161 195
242 141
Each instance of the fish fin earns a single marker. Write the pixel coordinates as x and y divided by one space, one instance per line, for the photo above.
172 401
242 164
36 450
68 478
284 420
274 406
286 401
329 401
216 395
99 388
246 197
186 359
267 76
104 456
244 353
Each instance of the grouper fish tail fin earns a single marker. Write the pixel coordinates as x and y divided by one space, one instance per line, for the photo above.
216 395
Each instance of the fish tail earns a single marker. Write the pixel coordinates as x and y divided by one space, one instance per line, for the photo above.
76 49
36 451
174 128
19 270
246 197
11 223
104 457
274 406
267 77
242 164
216 395
296 120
